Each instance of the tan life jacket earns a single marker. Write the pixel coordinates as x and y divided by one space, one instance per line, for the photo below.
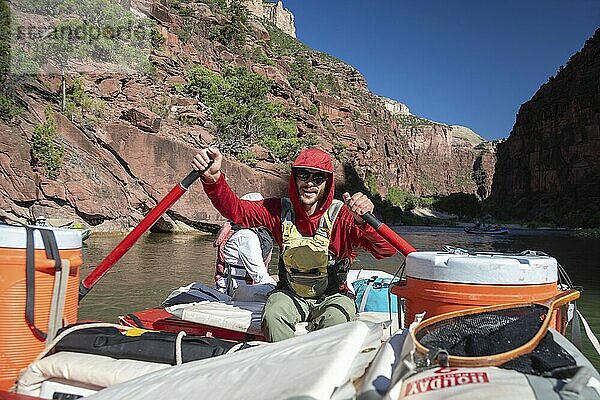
305 263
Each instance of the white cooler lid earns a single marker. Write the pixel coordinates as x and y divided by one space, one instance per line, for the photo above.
14 237
491 269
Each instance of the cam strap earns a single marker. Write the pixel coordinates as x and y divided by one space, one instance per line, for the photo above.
51 249
363 302
229 282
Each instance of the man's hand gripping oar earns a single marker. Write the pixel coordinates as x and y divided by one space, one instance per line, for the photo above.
209 162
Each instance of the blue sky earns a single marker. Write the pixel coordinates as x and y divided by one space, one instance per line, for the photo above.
465 62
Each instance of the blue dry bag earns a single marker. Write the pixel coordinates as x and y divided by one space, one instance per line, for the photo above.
372 295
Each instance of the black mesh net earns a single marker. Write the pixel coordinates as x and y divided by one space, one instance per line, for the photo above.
484 334
547 358
496 332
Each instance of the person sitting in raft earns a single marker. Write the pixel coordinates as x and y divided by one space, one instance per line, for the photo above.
243 255
316 236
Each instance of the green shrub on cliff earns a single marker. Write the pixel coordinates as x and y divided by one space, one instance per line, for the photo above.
411 121
401 198
230 30
283 44
371 184
327 83
301 74
5 35
339 150
242 114
216 6
101 30
80 107
44 148
8 108
15 63
259 56
284 143
247 157
233 31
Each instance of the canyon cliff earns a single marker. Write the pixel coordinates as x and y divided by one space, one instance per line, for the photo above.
127 149
549 167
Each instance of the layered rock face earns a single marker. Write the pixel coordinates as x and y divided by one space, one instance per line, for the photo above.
281 17
157 9
113 176
549 167
120 166
274 12
396 108
429 160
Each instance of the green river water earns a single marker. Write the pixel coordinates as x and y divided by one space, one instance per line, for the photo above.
159 263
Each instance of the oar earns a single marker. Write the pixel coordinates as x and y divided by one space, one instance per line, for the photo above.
392 237
86 285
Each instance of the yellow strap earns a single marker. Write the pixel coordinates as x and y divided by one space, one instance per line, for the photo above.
137 331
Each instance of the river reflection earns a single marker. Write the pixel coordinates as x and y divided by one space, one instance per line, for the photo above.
159 263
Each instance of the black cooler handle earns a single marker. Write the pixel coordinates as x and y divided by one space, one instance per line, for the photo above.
52 253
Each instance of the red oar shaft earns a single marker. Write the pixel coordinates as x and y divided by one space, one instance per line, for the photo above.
145 224
392 237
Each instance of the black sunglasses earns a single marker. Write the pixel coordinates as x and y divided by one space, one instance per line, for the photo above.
315 177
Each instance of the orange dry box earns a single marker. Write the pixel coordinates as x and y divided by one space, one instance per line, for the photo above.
19 344
440 282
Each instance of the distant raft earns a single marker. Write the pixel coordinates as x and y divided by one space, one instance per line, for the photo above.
487 230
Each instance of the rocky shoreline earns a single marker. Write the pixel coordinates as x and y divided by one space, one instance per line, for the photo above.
427 215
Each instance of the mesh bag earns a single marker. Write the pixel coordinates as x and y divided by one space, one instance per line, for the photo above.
488 336
484 334
546 359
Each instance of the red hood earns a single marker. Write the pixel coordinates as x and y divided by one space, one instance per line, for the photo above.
314 159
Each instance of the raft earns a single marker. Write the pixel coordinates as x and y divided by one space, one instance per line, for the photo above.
487 230
373 357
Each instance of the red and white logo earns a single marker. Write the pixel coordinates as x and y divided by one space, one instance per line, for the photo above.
446 378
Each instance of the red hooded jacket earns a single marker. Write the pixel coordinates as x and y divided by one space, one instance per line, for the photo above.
346 233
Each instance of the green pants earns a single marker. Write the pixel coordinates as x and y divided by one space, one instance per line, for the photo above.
284 310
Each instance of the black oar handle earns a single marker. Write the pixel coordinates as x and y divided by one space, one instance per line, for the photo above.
371 220
193 176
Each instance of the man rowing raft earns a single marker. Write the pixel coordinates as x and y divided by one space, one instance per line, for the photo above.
316 235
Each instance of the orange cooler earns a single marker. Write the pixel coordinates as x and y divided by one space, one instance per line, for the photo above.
441 282
18 343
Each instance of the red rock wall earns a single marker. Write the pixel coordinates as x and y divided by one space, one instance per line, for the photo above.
549 167
116 170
